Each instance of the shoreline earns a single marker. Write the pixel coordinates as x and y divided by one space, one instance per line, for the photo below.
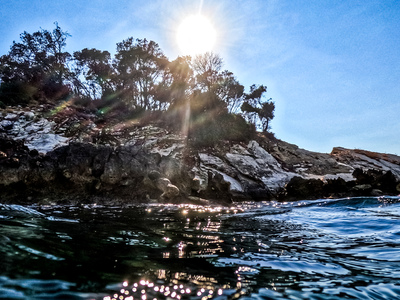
146 163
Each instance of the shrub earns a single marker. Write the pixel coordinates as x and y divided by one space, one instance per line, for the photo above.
16 93
206 131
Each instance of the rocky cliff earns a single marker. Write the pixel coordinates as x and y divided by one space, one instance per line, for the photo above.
69 158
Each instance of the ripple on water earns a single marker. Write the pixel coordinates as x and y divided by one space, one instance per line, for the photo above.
326 249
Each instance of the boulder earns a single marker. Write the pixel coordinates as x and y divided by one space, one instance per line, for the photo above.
169 190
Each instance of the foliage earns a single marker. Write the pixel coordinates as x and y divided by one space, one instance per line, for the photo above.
95 67
193 96
256 110
35 68
16 93
140 68
207 132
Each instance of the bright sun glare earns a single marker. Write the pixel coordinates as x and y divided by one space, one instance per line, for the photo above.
196 35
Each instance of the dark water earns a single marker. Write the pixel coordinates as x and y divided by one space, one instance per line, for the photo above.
335 249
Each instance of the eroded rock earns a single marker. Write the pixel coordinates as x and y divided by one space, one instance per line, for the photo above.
142 163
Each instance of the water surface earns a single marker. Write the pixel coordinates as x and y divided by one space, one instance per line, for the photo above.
327 249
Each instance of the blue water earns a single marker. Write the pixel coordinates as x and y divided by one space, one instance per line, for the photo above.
325 249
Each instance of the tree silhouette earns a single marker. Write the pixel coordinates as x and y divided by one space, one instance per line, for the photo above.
36 65
256 110
139 65
191 93
95 66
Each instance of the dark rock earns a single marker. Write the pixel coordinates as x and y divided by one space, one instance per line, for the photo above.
362 189
300 188
362 177
195 185
151 164
386 182
6 125
217 188
170 191
337 186
376 193
33 153
154 175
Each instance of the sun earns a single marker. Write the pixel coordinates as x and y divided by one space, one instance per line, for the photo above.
196 35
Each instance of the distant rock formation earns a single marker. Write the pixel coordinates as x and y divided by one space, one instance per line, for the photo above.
40 163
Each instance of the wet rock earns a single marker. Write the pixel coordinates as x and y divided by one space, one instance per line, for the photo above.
300 188
376 193
6 125
337 187
217 188
171 192
363 188
386 182
258 193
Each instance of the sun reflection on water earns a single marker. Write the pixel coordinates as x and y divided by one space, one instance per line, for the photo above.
201 238
198 286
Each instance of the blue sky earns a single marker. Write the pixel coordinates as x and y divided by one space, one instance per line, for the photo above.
332 67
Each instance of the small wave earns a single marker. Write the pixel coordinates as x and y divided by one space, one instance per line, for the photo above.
13 209
39 253
40 289
285 264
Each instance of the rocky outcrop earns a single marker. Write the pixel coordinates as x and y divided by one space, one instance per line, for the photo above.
147 163
84 171
34 130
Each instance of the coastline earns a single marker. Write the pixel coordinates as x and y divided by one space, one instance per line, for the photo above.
41 161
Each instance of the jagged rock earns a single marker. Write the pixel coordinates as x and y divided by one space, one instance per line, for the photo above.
217 188
337 187
300 188
140 163
37 133
386 182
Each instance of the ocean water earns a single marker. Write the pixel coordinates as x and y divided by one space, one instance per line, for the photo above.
325 249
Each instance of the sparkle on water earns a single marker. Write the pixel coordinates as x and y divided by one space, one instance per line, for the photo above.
327 249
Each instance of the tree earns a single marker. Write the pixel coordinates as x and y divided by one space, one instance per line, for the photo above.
207 67
266 114
95 66
179 91
38 63
182 80
140 66
256 110
230 91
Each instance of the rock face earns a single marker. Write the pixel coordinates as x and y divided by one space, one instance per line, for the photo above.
36 132
151 164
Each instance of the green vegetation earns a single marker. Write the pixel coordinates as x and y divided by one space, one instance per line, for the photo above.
192 95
